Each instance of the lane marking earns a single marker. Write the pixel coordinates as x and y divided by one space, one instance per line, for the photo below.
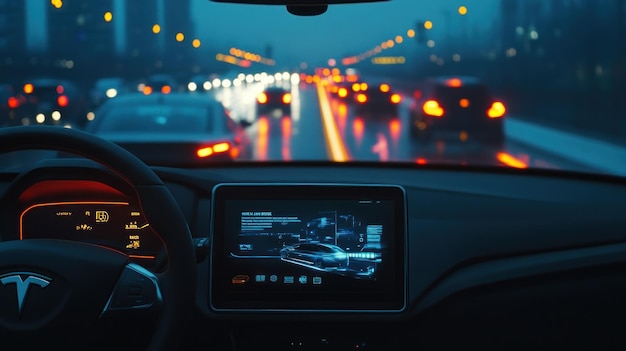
334 143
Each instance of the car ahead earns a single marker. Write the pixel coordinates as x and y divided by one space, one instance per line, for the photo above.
50 101
457 108
171 129
274 99
375 100
158 84
199 83
316 255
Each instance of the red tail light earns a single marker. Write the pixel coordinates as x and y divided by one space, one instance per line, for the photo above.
361 98
385 88
496 110
262 98
213 149
166 89
60 89
286 98
147 90
62 101
417 94
432 108
396 98
13 102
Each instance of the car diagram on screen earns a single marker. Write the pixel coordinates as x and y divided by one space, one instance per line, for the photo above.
318 256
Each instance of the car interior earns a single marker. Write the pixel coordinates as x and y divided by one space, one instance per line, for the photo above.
101 251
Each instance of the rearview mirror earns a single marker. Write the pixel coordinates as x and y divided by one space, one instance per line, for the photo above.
301 7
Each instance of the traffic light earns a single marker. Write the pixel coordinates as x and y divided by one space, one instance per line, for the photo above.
420 33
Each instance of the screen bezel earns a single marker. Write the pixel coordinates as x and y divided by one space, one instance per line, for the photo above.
395 296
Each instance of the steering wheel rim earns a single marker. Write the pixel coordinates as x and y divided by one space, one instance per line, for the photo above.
178 280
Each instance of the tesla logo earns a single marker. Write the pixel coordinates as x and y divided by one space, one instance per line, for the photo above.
23 285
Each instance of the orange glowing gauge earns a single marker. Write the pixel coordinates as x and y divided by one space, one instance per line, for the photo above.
117 225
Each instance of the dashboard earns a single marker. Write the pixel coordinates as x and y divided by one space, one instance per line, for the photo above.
495 258
93 207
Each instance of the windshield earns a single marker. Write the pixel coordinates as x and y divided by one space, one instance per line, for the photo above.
503 83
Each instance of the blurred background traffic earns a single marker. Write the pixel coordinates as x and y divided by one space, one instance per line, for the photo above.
500 82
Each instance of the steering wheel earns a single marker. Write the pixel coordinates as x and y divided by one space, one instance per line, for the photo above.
55 287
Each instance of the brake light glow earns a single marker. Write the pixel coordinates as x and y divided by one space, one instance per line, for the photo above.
364 86
356 87
464 103
262 98
214 149
221 147
385 88
205 152
28 88
286 98
417 94
342 92
166 89
511 161
147 90
454 83
432 108
13 102
396 98
361 98
60 89
496 110
62 101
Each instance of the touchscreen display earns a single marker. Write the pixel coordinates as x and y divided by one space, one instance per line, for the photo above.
308 248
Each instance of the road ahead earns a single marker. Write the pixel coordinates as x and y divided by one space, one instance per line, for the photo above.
322 127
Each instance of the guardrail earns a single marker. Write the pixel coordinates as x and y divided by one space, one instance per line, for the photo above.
596 154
